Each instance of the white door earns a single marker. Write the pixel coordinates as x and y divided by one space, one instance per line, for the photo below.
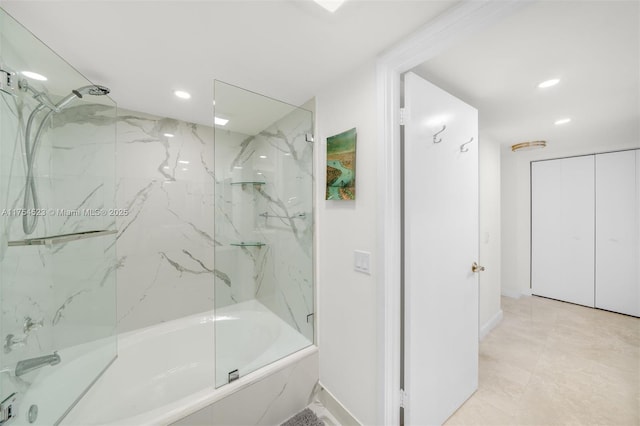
617 223
562 229
440 246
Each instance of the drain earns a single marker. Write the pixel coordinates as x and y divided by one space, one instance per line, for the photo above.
33 413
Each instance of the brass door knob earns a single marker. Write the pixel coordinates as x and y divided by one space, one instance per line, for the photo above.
476 268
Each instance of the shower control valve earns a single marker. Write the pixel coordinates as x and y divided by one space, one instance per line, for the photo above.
7 78
30 325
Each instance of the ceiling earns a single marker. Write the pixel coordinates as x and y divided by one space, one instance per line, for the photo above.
286 49
593 47
292 49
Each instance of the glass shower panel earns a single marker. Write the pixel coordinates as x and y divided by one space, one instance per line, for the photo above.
57 234
264 295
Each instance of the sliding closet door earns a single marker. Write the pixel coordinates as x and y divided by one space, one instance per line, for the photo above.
562 229
617 232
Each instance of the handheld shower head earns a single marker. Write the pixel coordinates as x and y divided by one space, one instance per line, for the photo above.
93 89
29 223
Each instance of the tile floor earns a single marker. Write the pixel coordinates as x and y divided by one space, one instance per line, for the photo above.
555 363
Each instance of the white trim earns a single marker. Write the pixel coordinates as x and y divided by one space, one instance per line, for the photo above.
457 22
510 292
335 407
491 324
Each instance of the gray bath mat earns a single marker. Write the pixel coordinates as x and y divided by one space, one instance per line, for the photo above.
305 417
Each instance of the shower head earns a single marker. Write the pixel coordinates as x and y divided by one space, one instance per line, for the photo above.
93 89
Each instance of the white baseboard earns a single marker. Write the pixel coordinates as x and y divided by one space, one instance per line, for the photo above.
510 292
336 408
491 324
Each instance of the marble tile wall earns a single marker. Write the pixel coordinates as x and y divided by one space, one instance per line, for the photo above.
163 188
163 252
166 242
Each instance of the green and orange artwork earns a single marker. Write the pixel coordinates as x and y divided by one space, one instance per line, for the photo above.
341 166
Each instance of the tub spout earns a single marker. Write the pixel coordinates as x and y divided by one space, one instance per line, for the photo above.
27 365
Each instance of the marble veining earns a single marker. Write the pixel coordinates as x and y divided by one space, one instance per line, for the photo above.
168 237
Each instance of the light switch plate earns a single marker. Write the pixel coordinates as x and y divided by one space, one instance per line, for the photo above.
362 261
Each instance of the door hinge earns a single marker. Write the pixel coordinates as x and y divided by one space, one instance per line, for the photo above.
404 398
402 116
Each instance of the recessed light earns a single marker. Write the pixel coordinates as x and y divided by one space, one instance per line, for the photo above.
562 121
169 135
237 167
220 121
34 75
549 83
330 5
183 162
263 156
182 94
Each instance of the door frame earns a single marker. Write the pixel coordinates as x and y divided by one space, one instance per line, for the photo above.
461 20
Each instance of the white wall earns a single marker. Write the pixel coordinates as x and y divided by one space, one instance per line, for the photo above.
347 332
516 204
490 240
347 299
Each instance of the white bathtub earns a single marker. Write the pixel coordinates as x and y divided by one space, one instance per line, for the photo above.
165 372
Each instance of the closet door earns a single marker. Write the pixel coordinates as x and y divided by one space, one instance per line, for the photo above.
617 232
562 229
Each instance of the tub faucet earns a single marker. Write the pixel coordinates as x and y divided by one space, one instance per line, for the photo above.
27 365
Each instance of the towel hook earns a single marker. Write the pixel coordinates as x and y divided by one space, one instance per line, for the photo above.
435 139
463 148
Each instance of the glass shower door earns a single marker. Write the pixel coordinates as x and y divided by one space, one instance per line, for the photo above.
57 231
264 299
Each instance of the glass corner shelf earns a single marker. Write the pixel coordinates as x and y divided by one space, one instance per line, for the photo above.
249 182
249 244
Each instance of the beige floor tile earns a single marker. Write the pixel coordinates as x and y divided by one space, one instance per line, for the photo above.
476 413
555 363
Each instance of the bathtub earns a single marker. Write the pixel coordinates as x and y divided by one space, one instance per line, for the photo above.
165 372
